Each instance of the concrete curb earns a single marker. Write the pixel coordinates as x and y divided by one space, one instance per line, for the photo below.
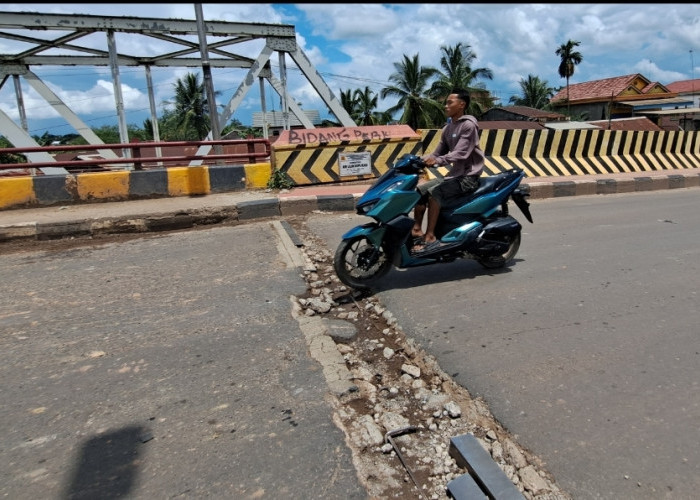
290 205
119 225
237 213
582 186
122 185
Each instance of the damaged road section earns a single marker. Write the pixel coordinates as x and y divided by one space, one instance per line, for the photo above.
381 383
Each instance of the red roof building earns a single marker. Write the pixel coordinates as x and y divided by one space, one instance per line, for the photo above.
686 87
634 123
691 90
509 125
624 97
520 113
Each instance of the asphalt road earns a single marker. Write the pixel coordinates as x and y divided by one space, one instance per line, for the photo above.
586 347
167 366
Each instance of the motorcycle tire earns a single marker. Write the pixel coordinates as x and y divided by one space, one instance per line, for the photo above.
498 261
358 262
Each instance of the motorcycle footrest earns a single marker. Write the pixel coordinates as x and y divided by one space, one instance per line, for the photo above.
434 249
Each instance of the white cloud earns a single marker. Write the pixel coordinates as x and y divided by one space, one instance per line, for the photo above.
656 74
340 21
97 100
356 45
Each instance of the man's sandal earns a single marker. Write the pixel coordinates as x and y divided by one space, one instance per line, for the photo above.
424 246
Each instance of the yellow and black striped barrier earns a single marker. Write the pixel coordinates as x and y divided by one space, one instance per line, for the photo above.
555 153
314 156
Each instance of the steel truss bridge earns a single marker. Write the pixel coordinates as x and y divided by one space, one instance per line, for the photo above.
76 40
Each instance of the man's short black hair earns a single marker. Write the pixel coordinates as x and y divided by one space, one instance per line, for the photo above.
463 95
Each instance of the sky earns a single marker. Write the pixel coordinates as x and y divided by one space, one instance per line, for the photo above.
356 46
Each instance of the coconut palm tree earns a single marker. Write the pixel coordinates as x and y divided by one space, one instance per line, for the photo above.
569 59
365 106
383 118
457 72
410 84
535 93
347 100
191 108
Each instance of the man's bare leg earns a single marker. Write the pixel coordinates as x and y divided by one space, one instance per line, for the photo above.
433 214
418 213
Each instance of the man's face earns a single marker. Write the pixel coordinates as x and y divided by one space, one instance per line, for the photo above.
454 106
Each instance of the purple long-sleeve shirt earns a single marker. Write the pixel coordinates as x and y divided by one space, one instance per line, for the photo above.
459 146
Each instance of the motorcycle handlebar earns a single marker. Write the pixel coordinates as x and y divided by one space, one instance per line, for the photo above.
412 162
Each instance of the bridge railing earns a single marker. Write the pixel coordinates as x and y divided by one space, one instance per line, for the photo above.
140 155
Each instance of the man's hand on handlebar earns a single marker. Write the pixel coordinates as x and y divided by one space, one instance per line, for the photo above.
428 160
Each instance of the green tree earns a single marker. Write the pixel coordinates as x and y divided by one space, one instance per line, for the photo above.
410 84
47 139
148 129
383 118
457 72
535 93
10 157
236 126
361 105
109 134
569 58
347 100
365 106
168 127
191 113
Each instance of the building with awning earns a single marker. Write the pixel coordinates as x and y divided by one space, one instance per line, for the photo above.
670 114
658 104
690 117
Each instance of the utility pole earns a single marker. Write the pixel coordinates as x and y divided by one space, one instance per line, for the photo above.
696 102
692 74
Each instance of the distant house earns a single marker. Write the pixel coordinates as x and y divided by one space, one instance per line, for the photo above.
275 121
509 125
570 125
521 113
635 123
689 89
621 97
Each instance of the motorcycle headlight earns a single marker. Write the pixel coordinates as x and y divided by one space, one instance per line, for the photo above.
368 206
362 210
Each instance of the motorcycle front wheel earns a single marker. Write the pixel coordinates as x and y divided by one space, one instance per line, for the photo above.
358 262
498 261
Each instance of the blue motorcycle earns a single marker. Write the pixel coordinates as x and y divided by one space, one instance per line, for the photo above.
475 226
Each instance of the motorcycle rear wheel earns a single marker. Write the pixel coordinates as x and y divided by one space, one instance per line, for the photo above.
358 262
498 261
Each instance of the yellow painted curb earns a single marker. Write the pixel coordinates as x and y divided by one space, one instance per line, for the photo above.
183 181
16 191
103 185
257 175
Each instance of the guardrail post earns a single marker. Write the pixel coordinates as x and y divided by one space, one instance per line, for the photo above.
136 154
251 152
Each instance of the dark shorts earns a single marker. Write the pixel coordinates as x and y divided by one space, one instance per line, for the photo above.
445 189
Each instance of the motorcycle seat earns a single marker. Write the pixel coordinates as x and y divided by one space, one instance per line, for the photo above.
487 184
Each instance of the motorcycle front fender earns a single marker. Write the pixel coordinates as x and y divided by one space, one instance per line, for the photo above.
371 231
